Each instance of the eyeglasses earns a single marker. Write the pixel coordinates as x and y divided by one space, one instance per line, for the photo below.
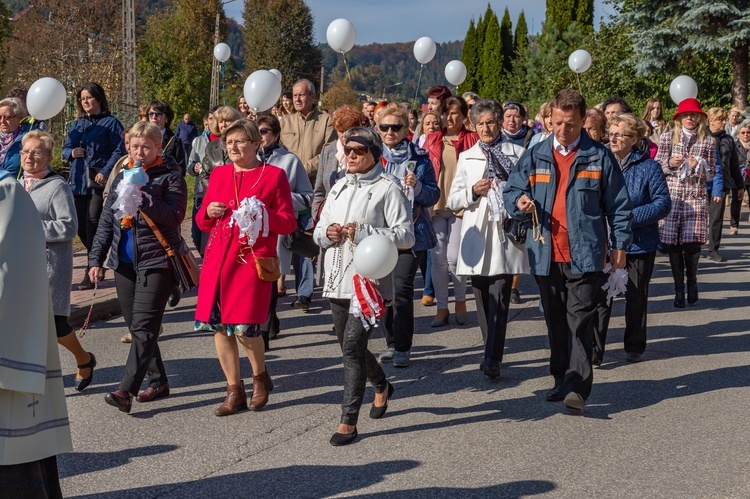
617 136
6 117
34 154
238 143
155 114
358 150
385 127
265 131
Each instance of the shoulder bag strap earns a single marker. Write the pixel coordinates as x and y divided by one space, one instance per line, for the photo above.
158 234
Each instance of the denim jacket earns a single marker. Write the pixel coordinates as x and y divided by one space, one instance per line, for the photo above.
596 198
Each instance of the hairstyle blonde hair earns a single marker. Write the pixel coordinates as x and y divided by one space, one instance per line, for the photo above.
396 110
633 125
224 113
48 142
146 130
420 127
716 113
248 126
701 129
16 104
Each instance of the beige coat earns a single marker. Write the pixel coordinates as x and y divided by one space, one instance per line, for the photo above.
306 136
33 416
484 249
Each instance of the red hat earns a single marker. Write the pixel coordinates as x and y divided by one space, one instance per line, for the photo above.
688 105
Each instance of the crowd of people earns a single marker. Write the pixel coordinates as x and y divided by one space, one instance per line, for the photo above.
470 190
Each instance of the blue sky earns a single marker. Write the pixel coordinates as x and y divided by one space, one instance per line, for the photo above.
387 21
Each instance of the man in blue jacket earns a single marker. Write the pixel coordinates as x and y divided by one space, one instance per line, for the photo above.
578 191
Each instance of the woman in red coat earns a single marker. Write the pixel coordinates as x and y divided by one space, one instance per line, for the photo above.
232 299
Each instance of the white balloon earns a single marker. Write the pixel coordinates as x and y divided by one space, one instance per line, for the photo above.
276 72
222 52
341 35
579 61
424 50
455 72
46 98
262 90
375 257
683 87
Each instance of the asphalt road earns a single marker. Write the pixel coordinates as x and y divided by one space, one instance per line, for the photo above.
672 426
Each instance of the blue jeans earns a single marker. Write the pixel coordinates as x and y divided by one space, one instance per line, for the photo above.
425 265
304 271
195 232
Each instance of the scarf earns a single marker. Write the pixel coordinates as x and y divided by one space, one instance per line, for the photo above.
212 137
127 221
30 179
397 162
6 139
264 153
499 167
518 137
340 156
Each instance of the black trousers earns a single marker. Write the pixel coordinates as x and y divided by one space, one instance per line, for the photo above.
34 480
570 302
492 294
360 364
143 298
640 268
716 221
88 210
398 323
735 206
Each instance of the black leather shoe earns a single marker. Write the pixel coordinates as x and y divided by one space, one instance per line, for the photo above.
634 357
339 439
151 393
120 399
692 293
491 368
83 383
379 412
679 299
174 298
555 394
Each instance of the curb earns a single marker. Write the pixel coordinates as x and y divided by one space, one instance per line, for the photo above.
103 308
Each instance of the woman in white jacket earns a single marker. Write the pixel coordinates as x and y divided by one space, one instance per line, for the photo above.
485 252
363 203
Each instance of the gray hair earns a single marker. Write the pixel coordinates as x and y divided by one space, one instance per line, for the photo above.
744 124
310 85
487 106
369 135
16 104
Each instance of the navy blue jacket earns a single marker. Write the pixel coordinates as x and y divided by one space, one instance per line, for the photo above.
649 194
186 132
12 161
101 136
596 197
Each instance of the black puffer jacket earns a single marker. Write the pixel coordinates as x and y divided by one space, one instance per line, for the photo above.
730 162
168 192
216 155
172 146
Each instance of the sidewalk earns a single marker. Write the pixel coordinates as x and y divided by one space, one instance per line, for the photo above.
105 298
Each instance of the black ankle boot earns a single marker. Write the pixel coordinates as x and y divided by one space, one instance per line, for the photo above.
679 299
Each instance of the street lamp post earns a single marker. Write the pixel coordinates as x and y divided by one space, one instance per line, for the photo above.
389 86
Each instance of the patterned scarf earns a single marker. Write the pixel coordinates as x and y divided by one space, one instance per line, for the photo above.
498 164
6 139
127 220
30 178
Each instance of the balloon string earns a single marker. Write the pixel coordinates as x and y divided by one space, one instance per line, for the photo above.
578 78
343 55
419 82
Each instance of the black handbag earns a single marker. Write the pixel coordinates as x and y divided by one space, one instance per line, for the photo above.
301 242
516 230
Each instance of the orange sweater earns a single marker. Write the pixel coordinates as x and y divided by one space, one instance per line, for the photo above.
559 219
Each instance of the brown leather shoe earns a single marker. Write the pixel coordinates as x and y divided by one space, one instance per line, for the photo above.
236 400
151 393
262 385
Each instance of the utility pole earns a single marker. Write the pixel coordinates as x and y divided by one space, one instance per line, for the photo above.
129 74
322 81
215 68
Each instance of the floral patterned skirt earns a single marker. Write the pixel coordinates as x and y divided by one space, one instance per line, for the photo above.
214 325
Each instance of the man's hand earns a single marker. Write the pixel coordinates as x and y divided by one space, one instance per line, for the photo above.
617 259
525 204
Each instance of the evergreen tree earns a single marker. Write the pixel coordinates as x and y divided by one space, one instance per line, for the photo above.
176 55
560 14
470 58
584 15
506 37
521 37
490 86
5 32
481 42
280 35
661 31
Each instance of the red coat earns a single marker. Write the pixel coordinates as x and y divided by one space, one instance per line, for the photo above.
433 144
244 299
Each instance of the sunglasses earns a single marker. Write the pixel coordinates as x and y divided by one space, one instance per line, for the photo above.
358 150
264 131
395 128
154 114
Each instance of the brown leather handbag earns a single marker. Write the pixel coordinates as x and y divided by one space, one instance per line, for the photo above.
185 267
267 267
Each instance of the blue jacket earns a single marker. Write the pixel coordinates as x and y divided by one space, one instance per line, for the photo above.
649 194
426 194
596 197
715 186
12 161
101 136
